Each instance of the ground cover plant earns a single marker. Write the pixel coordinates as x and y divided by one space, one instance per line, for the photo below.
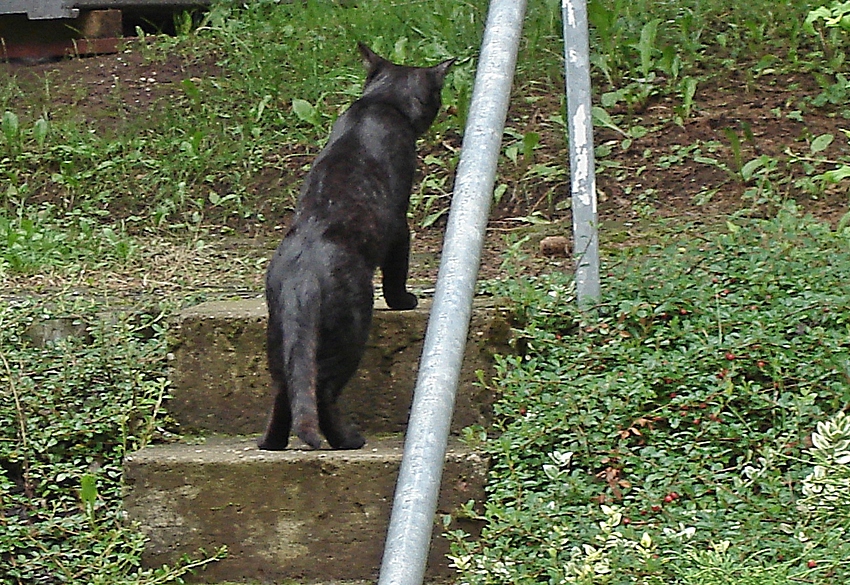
667 436
79 391
162 175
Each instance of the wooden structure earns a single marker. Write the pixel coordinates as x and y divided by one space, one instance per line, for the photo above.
37 30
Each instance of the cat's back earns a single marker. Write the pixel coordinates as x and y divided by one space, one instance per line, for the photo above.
365 171
370 129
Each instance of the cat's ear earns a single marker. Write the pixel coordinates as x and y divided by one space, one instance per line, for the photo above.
440 71
370 58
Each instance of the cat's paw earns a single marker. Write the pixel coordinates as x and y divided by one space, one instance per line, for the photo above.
352 440
402 302
267 444
311 438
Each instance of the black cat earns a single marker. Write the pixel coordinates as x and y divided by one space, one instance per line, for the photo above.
351 219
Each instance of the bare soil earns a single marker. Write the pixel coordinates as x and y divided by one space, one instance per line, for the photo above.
662 175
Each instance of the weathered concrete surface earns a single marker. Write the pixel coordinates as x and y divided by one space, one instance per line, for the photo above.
221 384
293 515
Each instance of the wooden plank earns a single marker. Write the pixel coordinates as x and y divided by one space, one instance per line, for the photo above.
66 48
99 24
93 32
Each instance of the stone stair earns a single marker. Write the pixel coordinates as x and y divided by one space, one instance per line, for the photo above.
297 515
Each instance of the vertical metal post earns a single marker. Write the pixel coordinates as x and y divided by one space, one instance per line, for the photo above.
415 503
582 173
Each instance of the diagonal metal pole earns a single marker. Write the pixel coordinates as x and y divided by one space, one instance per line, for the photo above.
582 173
415 503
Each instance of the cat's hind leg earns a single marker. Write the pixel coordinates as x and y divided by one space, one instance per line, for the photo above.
338 430
276 437
335 370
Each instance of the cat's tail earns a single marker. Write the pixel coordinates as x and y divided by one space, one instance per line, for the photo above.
302 311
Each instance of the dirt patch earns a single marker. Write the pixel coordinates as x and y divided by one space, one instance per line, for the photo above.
122 85
692 169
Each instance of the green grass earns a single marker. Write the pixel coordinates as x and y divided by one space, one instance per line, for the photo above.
195 156
665 438
202 155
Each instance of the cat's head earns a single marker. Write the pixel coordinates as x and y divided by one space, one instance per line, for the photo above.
415 91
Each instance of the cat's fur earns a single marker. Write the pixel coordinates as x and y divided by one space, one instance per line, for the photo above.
351 219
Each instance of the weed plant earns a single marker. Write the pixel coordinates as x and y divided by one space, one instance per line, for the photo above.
79 391
664 437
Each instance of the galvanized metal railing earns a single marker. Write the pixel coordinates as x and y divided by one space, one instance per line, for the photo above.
582 173
412 520
415 503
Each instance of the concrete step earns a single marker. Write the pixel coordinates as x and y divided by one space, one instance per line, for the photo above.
221 384
288 516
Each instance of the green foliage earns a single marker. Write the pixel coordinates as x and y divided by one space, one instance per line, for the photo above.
327 75
827 487
662 439
195 155
79 389
40 240
204 150
641 50
829 24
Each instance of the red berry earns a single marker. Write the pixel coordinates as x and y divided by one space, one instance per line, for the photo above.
730 356
761 364
627 520
672 496
812 564
656 508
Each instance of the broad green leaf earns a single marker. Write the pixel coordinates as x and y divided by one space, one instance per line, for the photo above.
749 169
604 119
837 175
10 126
305 111
822 142
40 131
646 45
88 489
